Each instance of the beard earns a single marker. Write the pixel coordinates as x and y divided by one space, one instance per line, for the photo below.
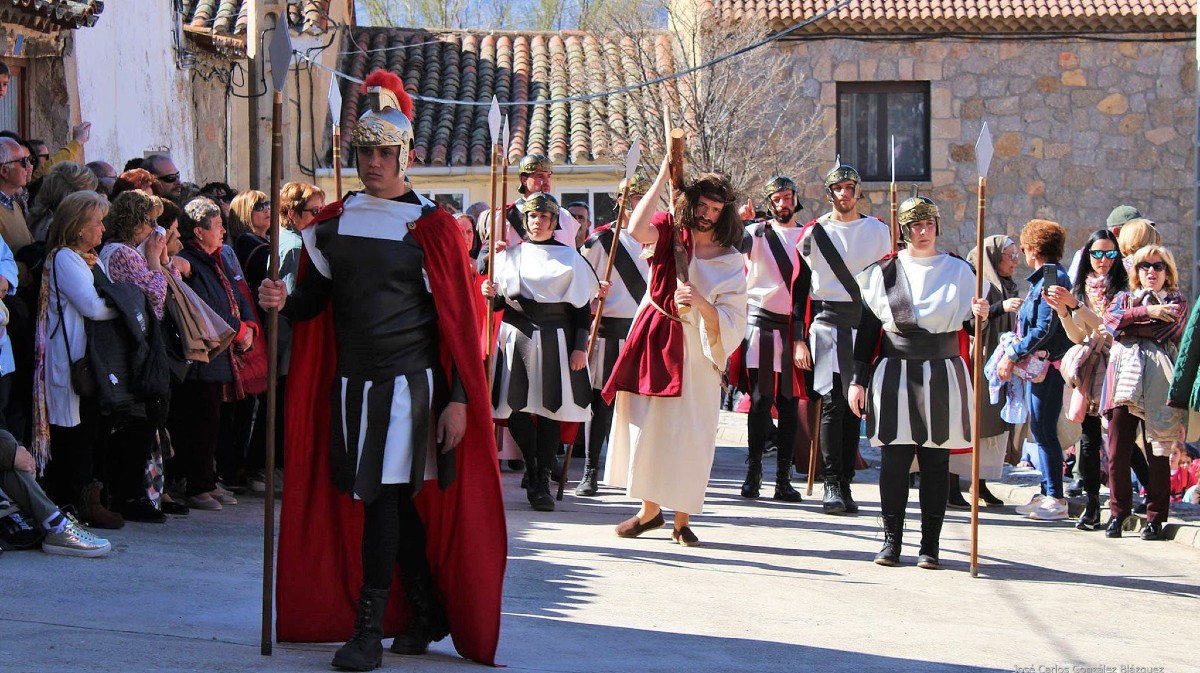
703 226
784 215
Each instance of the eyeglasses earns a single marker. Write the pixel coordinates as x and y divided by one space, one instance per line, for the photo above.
25 161
169 179
1014 256
1158 267
44 157
262 205
1111 254
311 211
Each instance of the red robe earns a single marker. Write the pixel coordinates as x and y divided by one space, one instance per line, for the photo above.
651 363
320 529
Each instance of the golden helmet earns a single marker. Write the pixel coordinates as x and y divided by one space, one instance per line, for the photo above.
388 121
916 209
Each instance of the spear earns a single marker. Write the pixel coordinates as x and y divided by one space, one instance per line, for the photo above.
489 338
895 226
504 179
280 54
983 159
335 114
631 163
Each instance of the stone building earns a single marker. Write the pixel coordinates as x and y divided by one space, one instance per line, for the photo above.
1090 104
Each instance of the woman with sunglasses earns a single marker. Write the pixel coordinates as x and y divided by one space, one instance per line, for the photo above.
1081 311
249 222
1146 323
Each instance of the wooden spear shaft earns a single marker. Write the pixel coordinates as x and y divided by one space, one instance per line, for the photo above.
489 338
977 362
337 163
895 228
272 375
814 448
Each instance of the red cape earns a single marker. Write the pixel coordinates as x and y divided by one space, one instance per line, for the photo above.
320 529
651 363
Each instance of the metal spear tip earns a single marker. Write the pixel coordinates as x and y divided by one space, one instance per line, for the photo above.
893 155
984 151
280 52
494 121
335 101
506 136
633 158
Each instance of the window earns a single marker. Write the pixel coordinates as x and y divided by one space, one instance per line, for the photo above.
453 201
602 204
869 114
12 107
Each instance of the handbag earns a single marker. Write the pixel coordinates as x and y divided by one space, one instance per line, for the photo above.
249 368
83 376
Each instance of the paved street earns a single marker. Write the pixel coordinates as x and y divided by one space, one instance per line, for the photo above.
774 587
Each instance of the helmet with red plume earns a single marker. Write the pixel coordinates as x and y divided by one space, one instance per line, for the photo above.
388 121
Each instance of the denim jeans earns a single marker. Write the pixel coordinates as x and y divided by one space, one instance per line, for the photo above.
1045 408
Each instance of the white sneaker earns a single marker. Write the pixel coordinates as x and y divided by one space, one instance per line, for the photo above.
1051 509
1033 504
75 540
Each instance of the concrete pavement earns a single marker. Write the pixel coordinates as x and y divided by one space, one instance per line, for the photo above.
774 587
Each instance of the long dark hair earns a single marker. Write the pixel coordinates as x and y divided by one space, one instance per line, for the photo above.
728 230
1118 279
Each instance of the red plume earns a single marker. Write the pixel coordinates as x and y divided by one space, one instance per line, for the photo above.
390 80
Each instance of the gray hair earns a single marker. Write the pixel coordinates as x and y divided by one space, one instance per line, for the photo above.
198 212
8 147
63 179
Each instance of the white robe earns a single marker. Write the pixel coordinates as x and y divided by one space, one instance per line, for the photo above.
661 448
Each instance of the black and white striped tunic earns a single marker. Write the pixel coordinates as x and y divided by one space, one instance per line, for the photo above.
628 288
919 389
546 289
772 265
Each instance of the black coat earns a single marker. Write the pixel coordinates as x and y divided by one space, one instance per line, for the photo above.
205 280
127 354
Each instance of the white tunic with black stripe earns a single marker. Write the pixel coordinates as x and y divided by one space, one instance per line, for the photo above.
772 264
541 283
914 399
628 287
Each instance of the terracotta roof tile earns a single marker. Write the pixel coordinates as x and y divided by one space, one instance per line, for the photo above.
967 16
224 19
51 15
473 66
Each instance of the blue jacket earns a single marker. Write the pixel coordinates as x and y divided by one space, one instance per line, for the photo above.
1037 323
206 282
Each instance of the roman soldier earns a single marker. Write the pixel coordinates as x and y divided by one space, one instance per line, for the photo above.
624 297
767 371
833 248
387 369
535 173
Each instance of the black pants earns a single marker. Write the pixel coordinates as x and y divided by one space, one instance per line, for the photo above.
758 421
894 465
393 533
1091 444
538 439
195 423
256 456
129 449
237 433
74 453
839 434
602 413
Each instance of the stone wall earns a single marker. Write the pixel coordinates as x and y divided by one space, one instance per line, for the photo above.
1079 126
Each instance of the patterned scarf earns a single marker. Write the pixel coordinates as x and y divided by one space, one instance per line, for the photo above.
41 418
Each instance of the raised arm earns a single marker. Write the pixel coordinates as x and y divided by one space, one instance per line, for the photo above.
641 226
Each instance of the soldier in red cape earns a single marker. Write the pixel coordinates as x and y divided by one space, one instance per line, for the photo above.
390 458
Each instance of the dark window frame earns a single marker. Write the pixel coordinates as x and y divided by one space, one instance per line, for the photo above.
882 140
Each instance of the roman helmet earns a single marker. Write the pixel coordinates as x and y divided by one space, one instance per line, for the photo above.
840 173
540 202
915 209
778 184
530 164
388 119
639 184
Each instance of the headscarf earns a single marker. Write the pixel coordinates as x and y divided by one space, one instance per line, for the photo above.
1000 287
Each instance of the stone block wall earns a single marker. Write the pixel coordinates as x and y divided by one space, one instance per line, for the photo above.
1080 126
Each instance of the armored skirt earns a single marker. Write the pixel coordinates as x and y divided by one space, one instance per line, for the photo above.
661 448
919 389
545 289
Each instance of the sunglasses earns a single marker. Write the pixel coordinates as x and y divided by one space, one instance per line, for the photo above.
1111 254
24 161
262 205
172 178
1158 267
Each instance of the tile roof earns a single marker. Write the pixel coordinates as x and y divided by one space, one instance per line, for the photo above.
967 16
226 20
51 15
466 65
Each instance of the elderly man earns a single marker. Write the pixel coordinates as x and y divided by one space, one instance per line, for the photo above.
14 176
105 173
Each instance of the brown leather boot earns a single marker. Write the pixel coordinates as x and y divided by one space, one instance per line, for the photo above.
92 509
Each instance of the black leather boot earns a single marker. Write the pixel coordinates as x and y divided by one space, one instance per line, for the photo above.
851 505
833 503
427 621
587 485
954 496
753 483
1114 526
893 537
931 537
1090 519
783 477
364 651
539 491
